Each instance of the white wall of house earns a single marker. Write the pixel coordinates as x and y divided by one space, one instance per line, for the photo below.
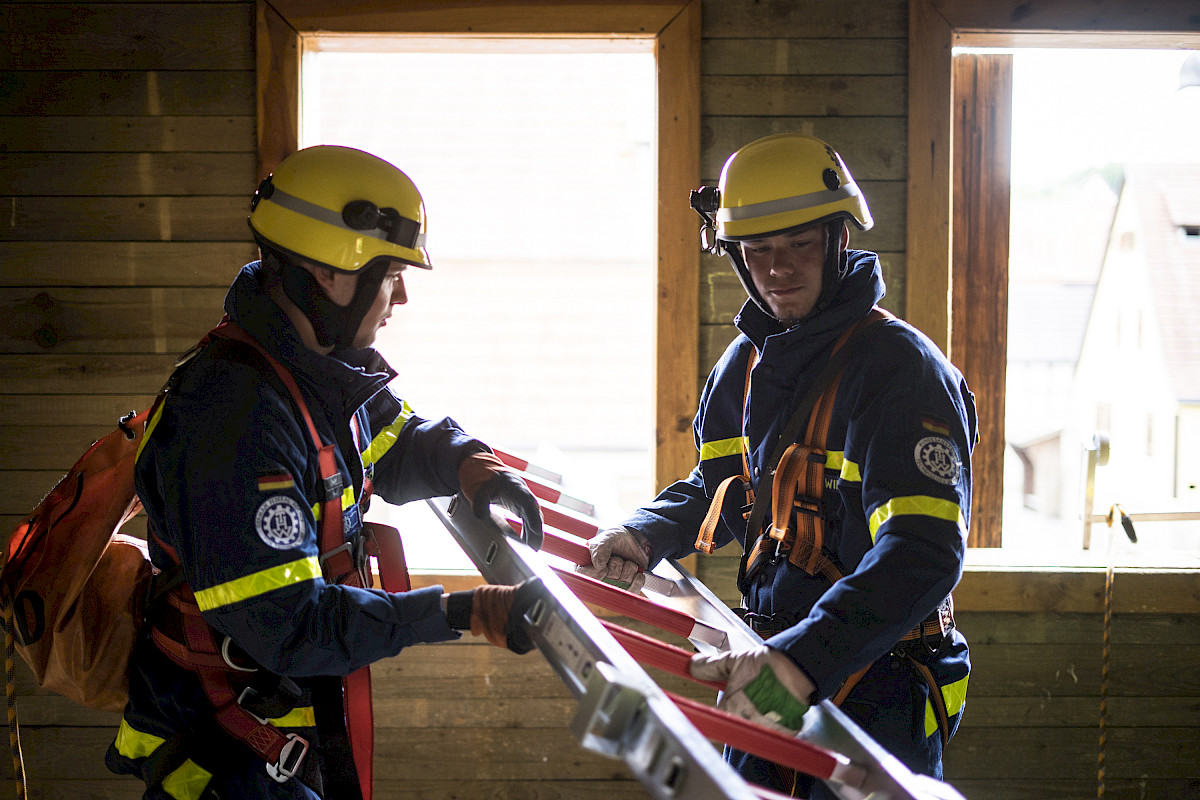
1122 383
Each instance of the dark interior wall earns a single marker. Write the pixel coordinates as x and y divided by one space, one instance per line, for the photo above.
837 71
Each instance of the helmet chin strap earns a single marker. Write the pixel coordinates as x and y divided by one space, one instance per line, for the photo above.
835 263
335 326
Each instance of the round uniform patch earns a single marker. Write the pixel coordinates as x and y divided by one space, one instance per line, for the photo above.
280 522
937 459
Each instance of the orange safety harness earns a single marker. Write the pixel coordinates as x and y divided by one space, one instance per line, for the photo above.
183 635
796 527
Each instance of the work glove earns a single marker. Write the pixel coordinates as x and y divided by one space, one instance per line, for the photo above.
484 479
762 685
495 611
620 556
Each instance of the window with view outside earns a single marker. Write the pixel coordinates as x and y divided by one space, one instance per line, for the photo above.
1103 338
535 329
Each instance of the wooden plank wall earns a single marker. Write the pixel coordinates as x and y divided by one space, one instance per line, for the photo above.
127 157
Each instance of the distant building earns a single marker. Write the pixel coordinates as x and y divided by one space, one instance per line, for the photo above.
1058 244
1138 375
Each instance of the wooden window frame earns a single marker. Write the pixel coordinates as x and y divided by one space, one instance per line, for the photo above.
674 26
949 280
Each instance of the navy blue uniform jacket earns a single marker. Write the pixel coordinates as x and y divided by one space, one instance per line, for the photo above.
896 502
229 479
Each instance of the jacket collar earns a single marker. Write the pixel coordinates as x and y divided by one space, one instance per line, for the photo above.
860 289
341 381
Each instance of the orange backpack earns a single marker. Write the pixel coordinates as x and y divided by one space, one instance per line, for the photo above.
73 587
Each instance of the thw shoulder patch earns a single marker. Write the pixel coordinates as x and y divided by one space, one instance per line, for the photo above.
279 522
937 459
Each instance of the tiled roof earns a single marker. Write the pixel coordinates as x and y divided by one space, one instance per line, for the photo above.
1168 198
1046 321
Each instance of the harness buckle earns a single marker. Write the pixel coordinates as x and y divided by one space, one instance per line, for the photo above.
333 486
347 546
289 759
246 701
360 561
767 625
227 657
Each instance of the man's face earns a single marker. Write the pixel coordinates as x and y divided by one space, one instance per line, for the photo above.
787 270
391 293
341 286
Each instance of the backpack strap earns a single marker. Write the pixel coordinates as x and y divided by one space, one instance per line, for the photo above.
339 564
336 559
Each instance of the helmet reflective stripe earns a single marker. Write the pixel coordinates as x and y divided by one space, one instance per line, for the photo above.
782 182
340 208
321 214
785 204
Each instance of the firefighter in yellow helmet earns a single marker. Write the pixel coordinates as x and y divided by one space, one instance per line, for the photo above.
317 210
263 528
846 574
778 187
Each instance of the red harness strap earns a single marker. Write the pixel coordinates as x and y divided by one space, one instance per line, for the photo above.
339 565
200 653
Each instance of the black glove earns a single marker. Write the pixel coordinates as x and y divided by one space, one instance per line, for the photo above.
485 480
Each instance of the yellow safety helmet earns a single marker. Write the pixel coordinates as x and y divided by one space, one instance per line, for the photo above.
341 208
778 183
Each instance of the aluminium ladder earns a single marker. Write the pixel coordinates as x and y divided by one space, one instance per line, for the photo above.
664 739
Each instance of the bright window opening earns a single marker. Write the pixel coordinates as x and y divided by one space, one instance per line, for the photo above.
535 329
1103 338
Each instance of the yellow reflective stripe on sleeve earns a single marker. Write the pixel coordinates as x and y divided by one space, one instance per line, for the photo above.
134 744
387 437
850 472
303 717
724 447
150 424
347 501
187 782
955 696
916 505
847 470
259 583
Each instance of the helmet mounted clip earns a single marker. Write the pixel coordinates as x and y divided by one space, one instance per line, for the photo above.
706 201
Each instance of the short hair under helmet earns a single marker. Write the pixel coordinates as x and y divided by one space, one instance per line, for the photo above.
341 208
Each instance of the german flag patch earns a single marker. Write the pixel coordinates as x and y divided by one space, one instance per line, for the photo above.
935 425
275 482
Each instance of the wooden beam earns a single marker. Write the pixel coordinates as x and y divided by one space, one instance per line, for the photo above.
927 302
677 359
1035 590
503 17
1052 16
277 46
979 272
